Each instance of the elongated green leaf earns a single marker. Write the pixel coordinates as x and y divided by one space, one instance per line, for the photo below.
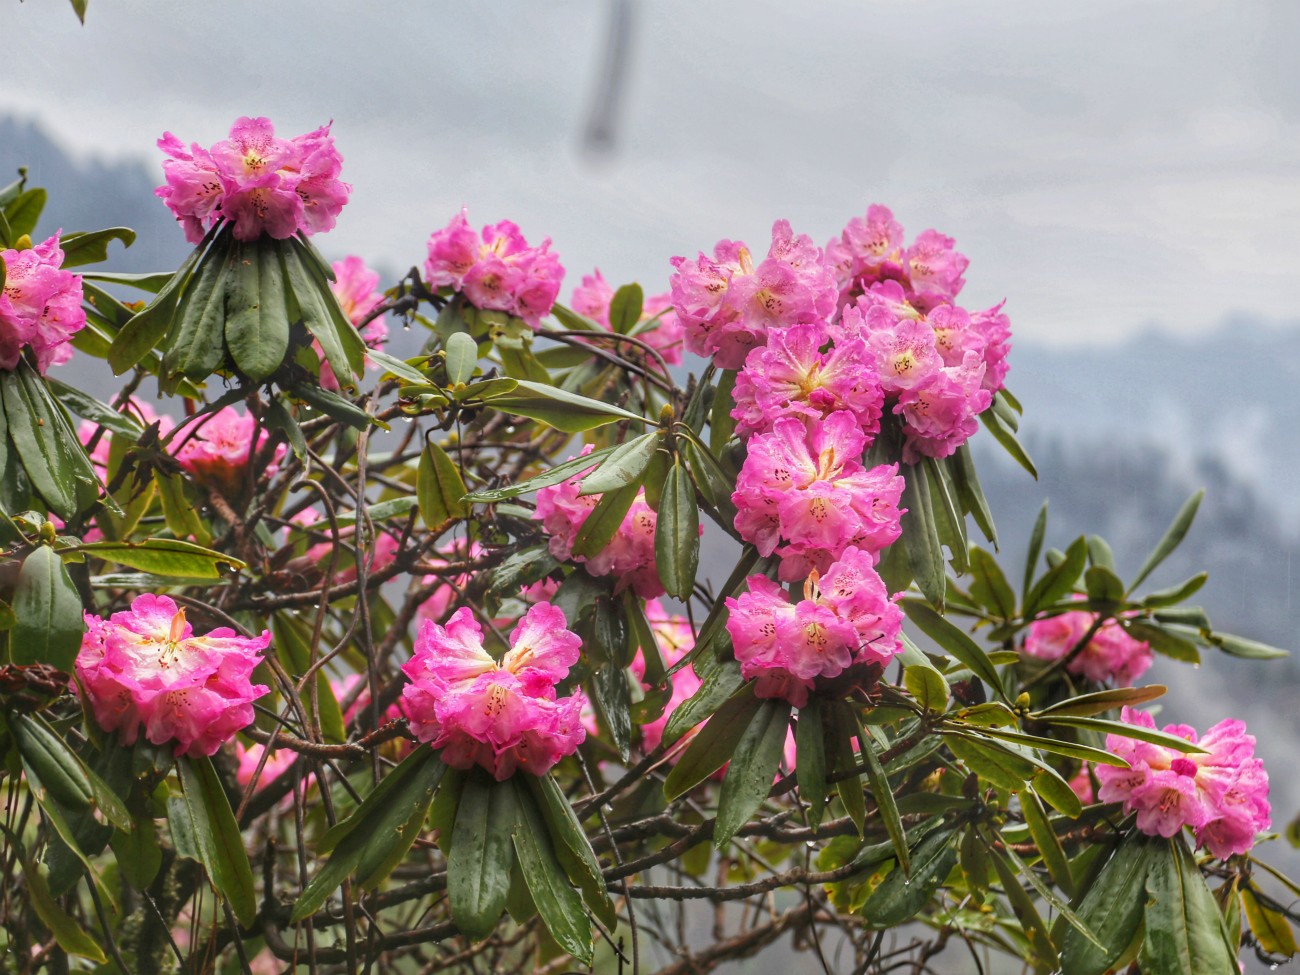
1031 921
949 519
1105 590
44 440
377 830
49 623
1048 843
921 536
1086 705
753 767
398 367
996 764
954 640
1068 748
604 520
989 587
293 643
1184 929
1057 582
138 852
1007 438
1125 730
257 320
152 283
480 859
71 937
883 794
677 533
556 900
961 466
220 845
24 212
333 405
623 466
92 247
1271 928
462 358
625 308
560 408
810 744
609 688
1112 907
905 891
439 487
196 343
89 408
1163 640
927 687
1162 598
713 746
561 472
70 780
1173 536
572 848
1239 646
715 690
1036 537
165 557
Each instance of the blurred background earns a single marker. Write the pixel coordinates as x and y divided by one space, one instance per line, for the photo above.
1125 174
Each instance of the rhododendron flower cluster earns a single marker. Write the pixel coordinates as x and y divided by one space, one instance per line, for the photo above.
146 669
1110 656
260 183
1222 793
675 639
804 494
218 450
630 554
593 297
496 270
40 306
727 303
356 287
501 715
845 619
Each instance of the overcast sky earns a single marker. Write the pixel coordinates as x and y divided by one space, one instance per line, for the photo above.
1104 165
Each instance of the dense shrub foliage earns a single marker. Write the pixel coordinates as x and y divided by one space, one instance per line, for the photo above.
515 654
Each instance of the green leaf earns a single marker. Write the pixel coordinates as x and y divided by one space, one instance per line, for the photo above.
1035 549
89 408
92 247
954 640
722 425
961 466
165 557
1112 907
293 643
1239 646
604 521
1271 928
996 764
220 844
480 859
715 689
69 935
883 794
44 439
989 587
1105 590
1125 730
1048 843
48 608
1163 640
138 852
68 778
844 728
1175 594
623 466
714 745
522 568
395 366
1086 705
560 408
904 892
949 520
677 533
921 537
24 212
753 766
927 687
378 831
1058 581
462 358
625 308
152 283
440 488
561 472
323 315
1007 438
810 745
572 848
1030 921
333 405
610 689
257 320
1184 928
196 342
557 902
1174 535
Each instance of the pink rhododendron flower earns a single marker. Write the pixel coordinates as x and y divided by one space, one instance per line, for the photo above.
869 250
146 669
40 306
501 715
846 620
728 303
496 270
1222 794
942 413
356 287
262 184
790 376
1111 656
804 494
249 758
630 554
666 335
1081 786
218 451
675 639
